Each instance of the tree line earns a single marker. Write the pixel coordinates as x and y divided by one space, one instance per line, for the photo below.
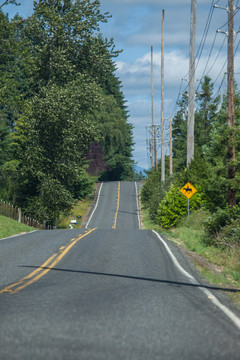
208 172
63 114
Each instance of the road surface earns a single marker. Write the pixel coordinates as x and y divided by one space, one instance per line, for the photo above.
109 291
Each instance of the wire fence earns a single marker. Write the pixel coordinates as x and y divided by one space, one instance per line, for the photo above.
10 211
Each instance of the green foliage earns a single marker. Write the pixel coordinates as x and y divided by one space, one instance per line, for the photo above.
53 199
222 227
153 192
59 95
9 180
115 139
174 206
180 135
205 116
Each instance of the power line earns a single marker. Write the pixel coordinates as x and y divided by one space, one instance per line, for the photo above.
200 51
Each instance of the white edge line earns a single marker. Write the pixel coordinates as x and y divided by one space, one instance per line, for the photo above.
13 236
211 297
95 207
139 221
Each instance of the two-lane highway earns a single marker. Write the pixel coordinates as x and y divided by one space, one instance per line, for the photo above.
117 207
110 291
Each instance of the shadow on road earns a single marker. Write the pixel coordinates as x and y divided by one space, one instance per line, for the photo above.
177 283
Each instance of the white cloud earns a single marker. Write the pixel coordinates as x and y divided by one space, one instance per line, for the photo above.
136 77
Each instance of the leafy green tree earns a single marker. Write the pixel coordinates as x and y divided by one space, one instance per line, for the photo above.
96 57
53 138
115 139
59 96
216 155
57 30
180 135
206 113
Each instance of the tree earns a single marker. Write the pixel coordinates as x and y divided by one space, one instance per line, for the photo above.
57 31
180 135
206 113
53 138
115 139
216 155
60 97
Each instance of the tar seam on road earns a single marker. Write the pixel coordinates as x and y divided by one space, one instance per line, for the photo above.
34 276
95 206
116 213
210 296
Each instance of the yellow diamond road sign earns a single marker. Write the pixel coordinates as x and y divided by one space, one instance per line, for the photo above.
188 190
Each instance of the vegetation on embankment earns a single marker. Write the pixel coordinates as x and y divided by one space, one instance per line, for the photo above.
9 227
213 229
78 213
63 117
219 264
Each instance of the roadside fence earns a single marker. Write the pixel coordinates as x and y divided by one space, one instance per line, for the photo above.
10 211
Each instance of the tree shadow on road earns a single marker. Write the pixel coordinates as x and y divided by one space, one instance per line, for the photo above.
160 281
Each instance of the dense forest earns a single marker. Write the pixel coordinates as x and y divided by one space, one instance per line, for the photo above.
63 115
208 172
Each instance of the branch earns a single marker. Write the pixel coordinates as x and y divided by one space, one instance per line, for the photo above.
4 4
7 2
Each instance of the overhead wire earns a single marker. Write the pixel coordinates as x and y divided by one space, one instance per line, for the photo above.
200 51
203 40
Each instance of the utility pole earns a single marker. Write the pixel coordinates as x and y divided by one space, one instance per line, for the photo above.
170 150
153 147
154 141
162 106
191 86
231 122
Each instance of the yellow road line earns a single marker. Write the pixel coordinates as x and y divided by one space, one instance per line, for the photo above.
8 288
118 201
50 263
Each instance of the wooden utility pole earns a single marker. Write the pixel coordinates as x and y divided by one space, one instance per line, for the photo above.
191 85
162 106
170 150
231 123
154 140
153 147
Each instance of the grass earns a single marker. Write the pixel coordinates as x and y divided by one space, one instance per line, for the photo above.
78 210
219 265
9 227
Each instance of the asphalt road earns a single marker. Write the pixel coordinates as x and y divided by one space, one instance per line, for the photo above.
109 291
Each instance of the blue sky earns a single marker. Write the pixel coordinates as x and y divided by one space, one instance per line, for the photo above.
135 25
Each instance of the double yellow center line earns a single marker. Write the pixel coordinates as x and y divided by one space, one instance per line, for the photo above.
116 213
44 268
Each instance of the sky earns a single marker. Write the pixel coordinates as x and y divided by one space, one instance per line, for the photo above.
135 26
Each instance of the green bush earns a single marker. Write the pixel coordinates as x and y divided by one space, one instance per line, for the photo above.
223 226
175 205
221 218
152 192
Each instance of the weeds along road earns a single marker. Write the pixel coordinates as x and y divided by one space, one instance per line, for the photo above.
109 291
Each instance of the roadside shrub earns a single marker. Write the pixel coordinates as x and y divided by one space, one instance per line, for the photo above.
152 192
174 206
230 233
223 226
